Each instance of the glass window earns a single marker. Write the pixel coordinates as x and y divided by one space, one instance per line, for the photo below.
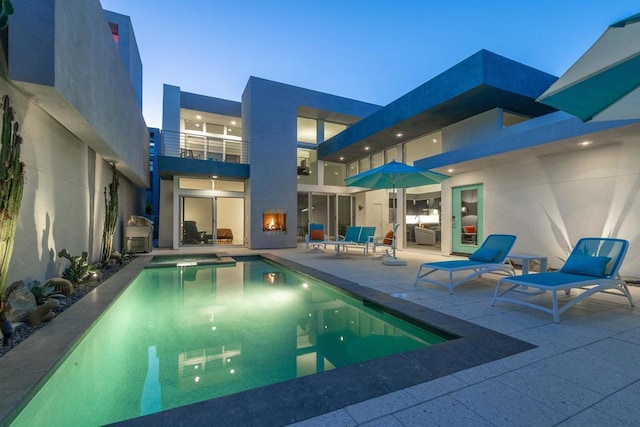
352 168
193 125
307 165
307 130
334 173
332 129
365 164
391 154
234 130
376 160
215 128
423 147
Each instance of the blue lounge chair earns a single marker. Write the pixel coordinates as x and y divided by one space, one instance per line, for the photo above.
592 266
490 257
366 236
352 234
316 238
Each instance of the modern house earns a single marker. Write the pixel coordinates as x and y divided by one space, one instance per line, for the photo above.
266 167
74 76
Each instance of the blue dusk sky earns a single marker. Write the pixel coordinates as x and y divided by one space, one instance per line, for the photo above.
373 51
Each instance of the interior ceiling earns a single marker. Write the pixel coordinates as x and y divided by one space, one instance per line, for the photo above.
621 135
217 119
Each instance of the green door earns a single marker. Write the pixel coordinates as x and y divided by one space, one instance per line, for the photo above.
467 218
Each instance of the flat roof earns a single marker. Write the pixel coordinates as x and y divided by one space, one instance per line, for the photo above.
480 83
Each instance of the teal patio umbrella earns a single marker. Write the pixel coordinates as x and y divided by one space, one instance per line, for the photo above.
391 176
604 84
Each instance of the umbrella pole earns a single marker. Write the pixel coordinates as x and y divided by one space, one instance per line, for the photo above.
393 260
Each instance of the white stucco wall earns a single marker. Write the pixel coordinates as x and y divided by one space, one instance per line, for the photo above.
551 202
63 201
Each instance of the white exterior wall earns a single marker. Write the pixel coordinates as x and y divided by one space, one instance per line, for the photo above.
63 201
551 202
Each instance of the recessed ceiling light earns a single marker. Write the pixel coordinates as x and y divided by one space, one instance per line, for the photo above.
584 143
214 176
198 117
435 140
197 125
233 122
450 170
341 158
399 135
366 148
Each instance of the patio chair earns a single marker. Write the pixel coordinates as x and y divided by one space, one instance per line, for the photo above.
191 234
592 266
351 235
316 238
490 257
387 243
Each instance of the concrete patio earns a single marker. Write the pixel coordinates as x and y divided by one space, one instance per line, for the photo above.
584 370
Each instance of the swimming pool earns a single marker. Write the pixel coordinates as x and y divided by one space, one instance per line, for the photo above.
182 335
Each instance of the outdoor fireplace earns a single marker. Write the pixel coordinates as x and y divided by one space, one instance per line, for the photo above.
274 220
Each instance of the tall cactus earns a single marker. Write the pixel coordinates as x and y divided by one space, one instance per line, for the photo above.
11 188
110 216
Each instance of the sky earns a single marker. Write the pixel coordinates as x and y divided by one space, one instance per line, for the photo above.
370 50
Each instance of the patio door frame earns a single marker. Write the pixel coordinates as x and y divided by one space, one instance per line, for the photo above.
179 194
457 212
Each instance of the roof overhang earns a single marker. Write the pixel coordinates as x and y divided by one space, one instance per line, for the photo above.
553 134
480 83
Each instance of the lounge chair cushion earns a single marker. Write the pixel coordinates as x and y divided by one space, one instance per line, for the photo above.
388 238
316 235
469 228
485 254
586 265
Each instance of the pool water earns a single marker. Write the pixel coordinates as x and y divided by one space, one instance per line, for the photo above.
187 334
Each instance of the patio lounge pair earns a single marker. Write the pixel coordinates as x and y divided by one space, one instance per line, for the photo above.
355 236
592 266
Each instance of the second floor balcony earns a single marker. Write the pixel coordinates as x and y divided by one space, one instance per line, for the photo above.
202 147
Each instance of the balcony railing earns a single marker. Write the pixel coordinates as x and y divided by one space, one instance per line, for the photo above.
197 146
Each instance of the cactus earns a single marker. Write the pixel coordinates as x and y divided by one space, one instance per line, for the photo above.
59 285
79 269
11 188
110 217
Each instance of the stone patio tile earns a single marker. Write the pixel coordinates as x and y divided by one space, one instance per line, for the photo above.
613 354
568 334
338 418
513 320
576 369
622 405
505 406
481 373
436 388
559 394
592 417
443 411
380 406
388 421
632 335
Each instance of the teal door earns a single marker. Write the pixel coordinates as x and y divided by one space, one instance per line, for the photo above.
467 218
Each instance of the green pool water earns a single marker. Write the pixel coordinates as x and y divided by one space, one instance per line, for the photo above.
182 335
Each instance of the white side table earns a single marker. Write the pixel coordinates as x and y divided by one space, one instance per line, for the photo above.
525 261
